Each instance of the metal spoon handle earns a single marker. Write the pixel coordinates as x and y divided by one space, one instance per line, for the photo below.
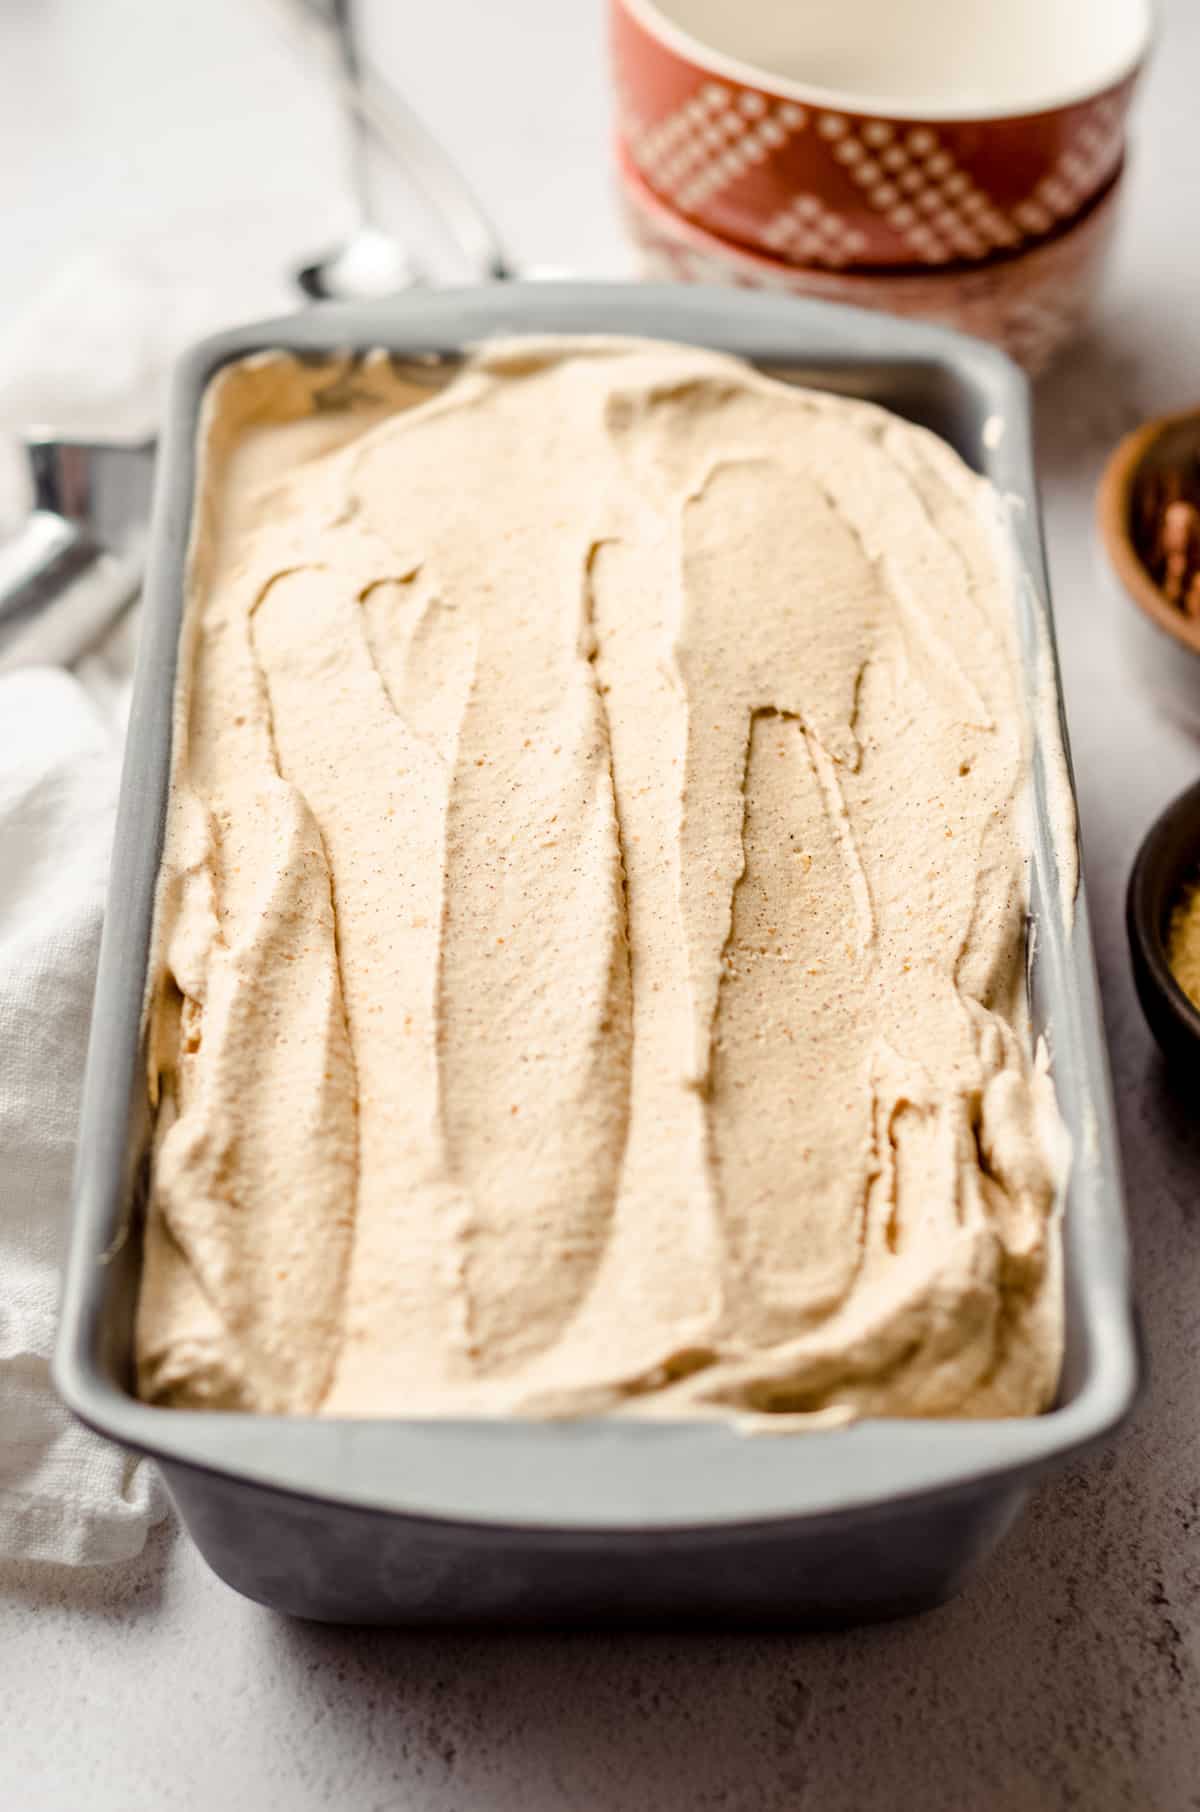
76 562
59 592
375 106
433 171
358 156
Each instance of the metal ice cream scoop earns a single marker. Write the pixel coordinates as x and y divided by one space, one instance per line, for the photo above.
372 262
76 562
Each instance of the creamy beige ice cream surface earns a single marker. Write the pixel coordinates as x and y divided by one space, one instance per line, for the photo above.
591 936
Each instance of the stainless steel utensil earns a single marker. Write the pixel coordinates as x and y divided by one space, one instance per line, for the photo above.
77 562
373 263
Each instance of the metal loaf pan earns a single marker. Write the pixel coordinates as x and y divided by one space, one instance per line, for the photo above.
409 1521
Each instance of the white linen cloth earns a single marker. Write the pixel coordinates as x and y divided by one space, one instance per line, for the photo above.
90 359
65 1495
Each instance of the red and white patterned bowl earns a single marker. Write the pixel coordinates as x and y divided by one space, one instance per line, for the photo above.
845 133
1030 304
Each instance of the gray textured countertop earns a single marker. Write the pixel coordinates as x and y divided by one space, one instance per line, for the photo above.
1069 1674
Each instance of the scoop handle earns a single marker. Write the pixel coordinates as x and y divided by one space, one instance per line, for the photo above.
60 586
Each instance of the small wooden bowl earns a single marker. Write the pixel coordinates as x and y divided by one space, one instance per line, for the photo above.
1162 643
1169 856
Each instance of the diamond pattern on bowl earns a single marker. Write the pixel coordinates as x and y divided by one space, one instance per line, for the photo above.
1029 305
807 232
717 135
736 159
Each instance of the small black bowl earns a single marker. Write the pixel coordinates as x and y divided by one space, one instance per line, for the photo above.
1168 859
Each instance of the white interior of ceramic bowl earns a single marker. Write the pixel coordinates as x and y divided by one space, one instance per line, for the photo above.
922 59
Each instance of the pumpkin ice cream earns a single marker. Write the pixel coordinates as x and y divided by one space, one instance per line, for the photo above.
590 955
